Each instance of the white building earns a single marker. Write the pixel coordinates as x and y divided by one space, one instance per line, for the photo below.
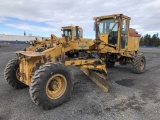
4 37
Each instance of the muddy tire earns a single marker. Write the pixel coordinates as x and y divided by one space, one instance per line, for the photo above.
11 74
139 64
51 85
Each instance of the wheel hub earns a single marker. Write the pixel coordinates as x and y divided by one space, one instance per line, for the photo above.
56 86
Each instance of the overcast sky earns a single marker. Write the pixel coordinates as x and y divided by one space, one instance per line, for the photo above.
43 17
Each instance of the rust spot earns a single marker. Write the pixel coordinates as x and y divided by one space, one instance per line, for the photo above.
36 67
23 75
49 58
30 53
57 58
63 57
72 63
134 34
45 59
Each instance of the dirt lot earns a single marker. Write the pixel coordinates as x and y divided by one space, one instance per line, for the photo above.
131 96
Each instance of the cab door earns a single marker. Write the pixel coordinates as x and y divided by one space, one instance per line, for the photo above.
124 34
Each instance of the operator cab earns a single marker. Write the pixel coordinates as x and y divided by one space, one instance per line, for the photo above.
72 32
113 30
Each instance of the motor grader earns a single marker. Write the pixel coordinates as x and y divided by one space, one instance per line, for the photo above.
47 74
118 43
38 45
41 45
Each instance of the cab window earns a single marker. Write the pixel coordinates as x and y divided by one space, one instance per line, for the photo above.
67 32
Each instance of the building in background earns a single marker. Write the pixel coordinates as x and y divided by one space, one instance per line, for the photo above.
16 39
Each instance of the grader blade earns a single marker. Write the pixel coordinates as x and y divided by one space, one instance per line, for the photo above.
98 78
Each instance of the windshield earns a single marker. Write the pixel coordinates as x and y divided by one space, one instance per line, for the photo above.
106 25
67 32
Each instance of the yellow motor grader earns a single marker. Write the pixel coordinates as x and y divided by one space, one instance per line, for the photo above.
47 75
41 45
117 42
38 45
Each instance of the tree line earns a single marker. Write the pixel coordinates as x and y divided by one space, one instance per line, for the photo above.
148 40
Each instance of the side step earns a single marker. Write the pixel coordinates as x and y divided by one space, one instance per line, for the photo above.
97 78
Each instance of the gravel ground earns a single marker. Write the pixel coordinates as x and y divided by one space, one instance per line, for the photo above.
131 96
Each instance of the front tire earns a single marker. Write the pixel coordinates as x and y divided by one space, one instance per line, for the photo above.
12 75
51 85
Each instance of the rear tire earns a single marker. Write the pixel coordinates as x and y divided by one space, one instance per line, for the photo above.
51 85
139 64
11 74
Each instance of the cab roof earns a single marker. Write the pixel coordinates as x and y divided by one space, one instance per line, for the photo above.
70 27
112 16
